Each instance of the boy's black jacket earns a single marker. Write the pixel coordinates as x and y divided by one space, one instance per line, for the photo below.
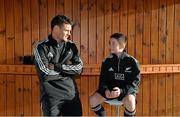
122 72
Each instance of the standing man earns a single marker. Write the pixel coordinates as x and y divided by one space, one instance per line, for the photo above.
119 78
57 62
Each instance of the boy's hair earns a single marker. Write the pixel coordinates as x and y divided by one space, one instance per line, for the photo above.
119 37
60 20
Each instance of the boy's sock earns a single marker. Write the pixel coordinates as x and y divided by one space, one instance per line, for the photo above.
99 110
129 113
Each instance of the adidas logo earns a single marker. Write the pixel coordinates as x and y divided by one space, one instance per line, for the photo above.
50 55
111 69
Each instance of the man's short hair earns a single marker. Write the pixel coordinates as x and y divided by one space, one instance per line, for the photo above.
119 37
60 20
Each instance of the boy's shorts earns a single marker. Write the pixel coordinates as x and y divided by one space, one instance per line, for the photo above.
102 93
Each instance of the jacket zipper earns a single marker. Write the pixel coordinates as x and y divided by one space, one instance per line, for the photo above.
118 64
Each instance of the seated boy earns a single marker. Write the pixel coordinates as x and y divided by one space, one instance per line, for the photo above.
119 78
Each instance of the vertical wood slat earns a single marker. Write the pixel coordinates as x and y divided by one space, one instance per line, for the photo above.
11 96
108 30
3 96
9 22
138 47
35 37
146 55
43 24
115 28
124 16
107 25
27 95
68 8
10 36
100 30
35 22
36 108
115 16
27 27
92 32
18 19
92 43
60 6
169 56
154 57
123 27
84 53
77 32
161 58
19 104
27 99
51 13
176 102
100 21
76 18
2 33
131 27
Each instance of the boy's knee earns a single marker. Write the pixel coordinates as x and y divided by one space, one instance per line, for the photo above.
92 100
96 99
130 102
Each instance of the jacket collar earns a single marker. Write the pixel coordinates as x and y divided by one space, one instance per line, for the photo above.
52 41
122 55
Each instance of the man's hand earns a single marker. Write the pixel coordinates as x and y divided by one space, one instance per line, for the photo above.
51 66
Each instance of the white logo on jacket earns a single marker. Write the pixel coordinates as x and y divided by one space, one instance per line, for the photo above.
119 76
128 69
110 69
50 55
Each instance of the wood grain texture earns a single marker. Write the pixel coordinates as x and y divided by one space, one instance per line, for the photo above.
152 27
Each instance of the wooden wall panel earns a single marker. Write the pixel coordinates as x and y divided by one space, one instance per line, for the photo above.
153 31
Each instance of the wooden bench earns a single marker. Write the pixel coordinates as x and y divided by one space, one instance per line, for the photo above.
93 69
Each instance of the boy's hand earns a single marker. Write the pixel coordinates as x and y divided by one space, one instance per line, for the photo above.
115 92
108 93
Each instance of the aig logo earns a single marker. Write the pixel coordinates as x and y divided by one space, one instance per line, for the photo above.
119 76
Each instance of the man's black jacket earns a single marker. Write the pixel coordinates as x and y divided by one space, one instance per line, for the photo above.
57 83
